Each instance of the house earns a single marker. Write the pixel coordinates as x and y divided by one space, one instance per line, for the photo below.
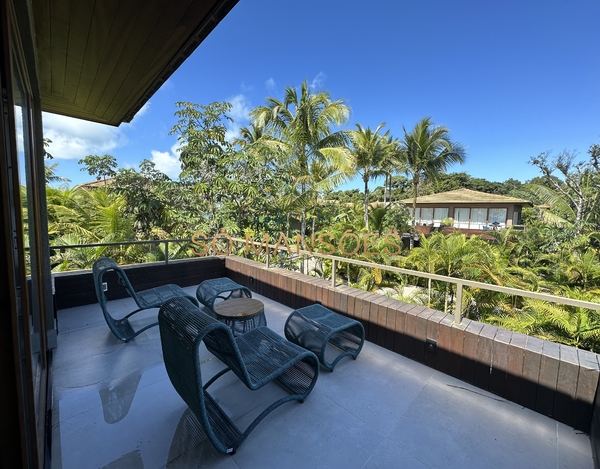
95 60
468 209
97 183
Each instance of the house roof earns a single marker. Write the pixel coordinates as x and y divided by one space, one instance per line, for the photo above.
102 60
466 196
97 183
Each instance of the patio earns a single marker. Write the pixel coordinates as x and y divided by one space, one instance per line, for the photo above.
114 407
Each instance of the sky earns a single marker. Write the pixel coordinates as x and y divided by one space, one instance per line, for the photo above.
510 79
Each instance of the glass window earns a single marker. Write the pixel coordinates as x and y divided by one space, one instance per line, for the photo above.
426 216
28 252
497 217
478 218
461 217
439 214
417 214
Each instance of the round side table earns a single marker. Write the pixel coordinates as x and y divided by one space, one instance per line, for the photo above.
241 314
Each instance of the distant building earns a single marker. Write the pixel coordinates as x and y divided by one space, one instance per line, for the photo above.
96 183
469 210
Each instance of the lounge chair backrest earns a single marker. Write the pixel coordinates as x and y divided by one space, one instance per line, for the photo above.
145 299
105 264
100 267
181 333
199 326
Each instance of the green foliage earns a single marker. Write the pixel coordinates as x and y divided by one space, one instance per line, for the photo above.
100 166
426 152
50 170
372 153
577 327
301 128
144 193
572 196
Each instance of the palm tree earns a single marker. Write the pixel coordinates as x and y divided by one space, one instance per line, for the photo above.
302 124
427 152
577 327
371 152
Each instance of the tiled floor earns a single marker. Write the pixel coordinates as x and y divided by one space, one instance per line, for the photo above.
114 407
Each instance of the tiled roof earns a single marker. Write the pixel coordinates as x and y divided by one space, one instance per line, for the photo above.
466 196
97 183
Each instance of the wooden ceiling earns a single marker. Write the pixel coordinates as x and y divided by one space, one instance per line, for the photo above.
101 60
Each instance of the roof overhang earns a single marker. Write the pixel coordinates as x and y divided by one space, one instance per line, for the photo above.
101 60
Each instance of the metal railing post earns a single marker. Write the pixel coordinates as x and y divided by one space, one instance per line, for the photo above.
458 305
166 251
268 255
333 269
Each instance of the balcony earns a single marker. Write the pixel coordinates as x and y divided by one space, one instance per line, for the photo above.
114 406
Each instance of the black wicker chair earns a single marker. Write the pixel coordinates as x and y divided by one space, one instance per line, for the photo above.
257 357
147 299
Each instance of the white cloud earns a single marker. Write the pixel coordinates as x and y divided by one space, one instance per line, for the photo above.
246 88
270 84
75 138
318 81
240 108
168 162
143 110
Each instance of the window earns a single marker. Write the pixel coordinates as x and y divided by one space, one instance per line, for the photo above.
461 217
417 215
478 218
497 217
426 216
438 215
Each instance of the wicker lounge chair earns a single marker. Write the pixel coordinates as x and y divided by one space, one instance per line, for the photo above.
257 357
147 299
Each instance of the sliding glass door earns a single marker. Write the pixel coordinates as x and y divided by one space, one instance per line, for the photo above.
24 270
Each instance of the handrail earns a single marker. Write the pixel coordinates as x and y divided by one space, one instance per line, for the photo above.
119 243
460 283
125 243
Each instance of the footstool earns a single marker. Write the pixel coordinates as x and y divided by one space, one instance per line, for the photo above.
315 327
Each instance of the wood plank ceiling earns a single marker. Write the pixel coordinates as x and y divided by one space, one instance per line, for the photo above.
101 60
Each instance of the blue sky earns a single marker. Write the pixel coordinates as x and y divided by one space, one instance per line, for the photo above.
511 79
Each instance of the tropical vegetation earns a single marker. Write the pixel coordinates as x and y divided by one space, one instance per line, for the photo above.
282 174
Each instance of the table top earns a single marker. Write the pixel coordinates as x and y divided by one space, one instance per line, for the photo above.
239 307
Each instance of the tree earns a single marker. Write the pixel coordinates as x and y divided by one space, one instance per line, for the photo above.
50 171
143 193
573 196
427 152
577 327
371 152
100 166
205 155
457 256
301 125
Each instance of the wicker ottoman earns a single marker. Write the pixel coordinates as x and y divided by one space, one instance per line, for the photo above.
220 289
316 327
